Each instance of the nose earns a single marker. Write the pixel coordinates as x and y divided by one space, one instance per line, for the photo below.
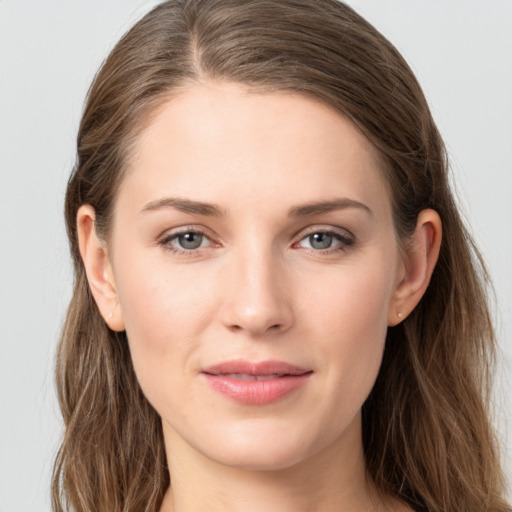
257 296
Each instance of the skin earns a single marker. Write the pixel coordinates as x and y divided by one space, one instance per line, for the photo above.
258 288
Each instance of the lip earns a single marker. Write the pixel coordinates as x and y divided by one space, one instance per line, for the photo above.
256 383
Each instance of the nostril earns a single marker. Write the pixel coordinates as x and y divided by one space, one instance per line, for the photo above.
274 327
256 314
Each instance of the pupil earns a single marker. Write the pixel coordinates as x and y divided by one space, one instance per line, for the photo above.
190 240
320 240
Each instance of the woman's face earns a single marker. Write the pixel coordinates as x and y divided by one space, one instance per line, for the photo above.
255 265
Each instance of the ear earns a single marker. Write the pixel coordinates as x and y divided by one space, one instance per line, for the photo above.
98 269
420 259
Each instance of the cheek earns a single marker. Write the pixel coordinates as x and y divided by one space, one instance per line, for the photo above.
353 299
351 315
163 313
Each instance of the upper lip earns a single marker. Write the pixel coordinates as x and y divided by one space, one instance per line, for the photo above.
254 368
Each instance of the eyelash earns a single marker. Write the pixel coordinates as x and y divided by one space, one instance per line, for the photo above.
345 241
166 241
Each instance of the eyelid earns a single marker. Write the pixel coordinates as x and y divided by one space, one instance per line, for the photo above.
319 228
169 234
345 237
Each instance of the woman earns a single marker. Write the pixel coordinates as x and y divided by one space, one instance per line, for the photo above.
276 303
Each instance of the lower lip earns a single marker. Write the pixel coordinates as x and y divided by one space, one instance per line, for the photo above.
256 392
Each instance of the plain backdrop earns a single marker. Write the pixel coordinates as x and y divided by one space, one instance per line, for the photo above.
461 51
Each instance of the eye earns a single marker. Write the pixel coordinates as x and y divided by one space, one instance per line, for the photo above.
323 240
185 241
320 240
190 240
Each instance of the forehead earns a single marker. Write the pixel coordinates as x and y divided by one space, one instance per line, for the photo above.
219 142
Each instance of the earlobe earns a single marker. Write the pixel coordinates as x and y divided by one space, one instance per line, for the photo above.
420 259
98 269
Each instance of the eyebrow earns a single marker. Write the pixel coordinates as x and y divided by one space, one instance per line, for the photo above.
320 207
212 210
184 205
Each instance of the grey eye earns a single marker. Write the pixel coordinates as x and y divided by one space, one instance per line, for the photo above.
190 240
320 240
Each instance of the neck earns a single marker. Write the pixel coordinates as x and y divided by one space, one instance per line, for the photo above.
332 479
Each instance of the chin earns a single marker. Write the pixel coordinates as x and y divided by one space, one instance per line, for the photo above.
251 459
261 448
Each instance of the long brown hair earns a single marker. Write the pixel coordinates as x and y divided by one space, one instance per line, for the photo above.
426 431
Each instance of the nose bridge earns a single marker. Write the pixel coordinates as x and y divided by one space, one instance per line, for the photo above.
257 298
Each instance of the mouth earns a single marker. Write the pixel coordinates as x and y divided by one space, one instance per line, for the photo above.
246 376
258 383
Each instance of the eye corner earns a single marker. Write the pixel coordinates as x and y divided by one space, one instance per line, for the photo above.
174 241
342 239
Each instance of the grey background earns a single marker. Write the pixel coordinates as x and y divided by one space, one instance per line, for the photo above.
461 51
